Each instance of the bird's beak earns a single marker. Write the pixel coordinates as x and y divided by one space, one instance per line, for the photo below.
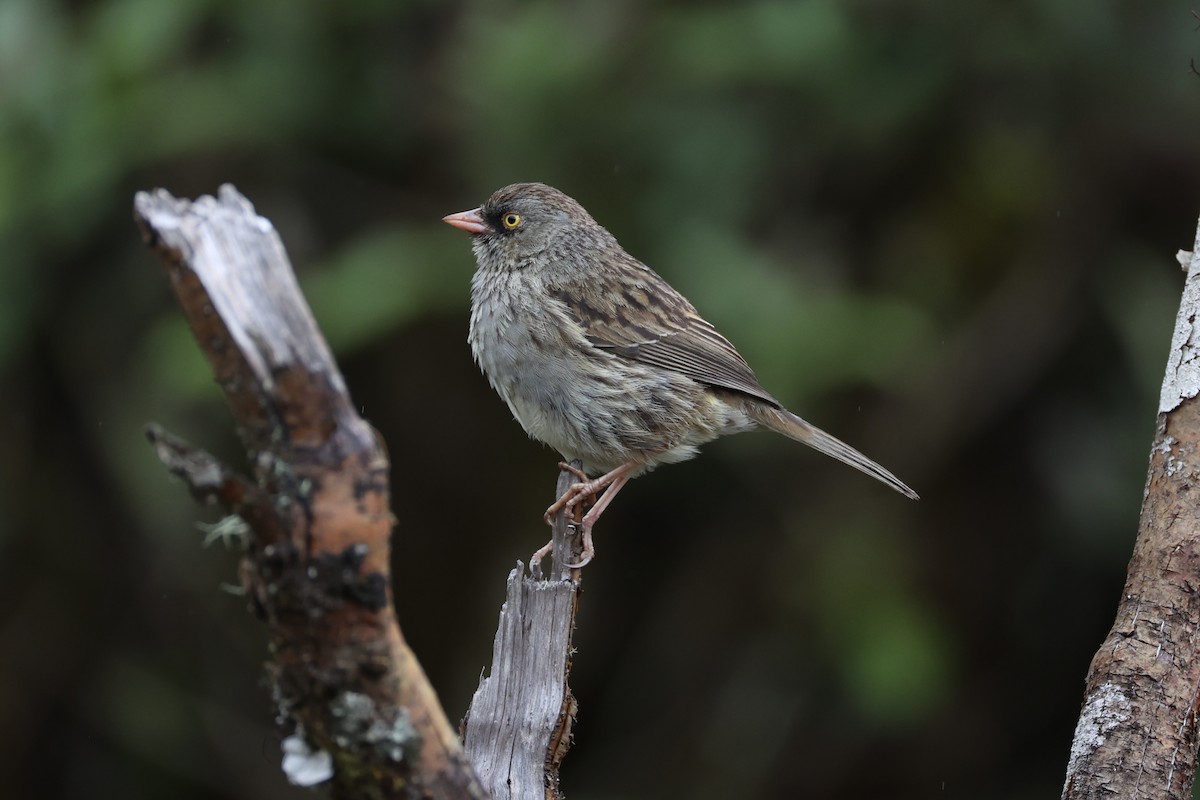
469 221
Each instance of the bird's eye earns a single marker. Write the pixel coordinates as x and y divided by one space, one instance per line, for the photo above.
511 220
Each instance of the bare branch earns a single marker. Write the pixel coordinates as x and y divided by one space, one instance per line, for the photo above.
518 728
352 699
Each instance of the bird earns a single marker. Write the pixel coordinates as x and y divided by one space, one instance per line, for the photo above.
600 358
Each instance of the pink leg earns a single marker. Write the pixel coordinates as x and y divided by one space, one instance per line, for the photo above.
589 519
579 491
548 547
575 495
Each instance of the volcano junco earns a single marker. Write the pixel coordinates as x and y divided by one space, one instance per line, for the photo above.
598 357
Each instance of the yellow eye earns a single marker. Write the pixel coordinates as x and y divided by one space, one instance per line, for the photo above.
511 220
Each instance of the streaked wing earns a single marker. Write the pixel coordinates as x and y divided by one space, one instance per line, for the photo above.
649 322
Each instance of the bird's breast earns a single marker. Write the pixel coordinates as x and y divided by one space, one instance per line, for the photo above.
524 347
582 400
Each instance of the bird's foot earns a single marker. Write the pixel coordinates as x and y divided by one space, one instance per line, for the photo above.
610 483
585 556
589 550
573 496
535 560
563 466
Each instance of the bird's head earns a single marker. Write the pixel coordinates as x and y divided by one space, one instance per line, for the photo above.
521 220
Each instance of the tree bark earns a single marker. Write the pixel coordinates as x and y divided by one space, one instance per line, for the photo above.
1137 732
352 700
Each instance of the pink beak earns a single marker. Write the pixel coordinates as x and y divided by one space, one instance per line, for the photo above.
469 221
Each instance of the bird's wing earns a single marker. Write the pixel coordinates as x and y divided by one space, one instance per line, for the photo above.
649 322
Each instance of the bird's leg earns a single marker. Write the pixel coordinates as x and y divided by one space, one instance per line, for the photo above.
548 547
571 497
575 495
585 488
589 519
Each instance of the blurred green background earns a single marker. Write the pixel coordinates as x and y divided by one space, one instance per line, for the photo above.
942 231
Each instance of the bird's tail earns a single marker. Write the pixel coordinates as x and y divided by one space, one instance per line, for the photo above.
783 421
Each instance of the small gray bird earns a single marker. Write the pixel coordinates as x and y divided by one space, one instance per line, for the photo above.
598 357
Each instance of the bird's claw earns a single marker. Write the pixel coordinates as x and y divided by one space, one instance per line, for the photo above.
535 560
588 552
584 560
571 498
585 557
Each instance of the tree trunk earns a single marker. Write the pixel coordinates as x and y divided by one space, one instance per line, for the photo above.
1137 733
